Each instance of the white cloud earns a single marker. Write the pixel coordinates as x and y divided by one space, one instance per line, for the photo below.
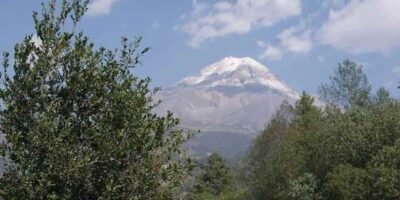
295 39
270 52
208 21
363 26
100 7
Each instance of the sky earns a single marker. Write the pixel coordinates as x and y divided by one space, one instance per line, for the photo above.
301 41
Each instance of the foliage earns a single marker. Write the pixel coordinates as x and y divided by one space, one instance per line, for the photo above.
216 181
259 170
349 86
78 123
382 96
344 151
304 188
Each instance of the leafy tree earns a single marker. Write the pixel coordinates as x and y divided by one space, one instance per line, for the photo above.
378 180
347 182
78 123
384 170
299 152
348 87
282 151
262 175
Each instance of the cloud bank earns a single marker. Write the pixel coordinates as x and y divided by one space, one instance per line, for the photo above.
363 26
208 21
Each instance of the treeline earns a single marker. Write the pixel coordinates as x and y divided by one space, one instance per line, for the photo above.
347 149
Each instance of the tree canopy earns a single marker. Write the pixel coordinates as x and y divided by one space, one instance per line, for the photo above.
345 150
78 124
348 86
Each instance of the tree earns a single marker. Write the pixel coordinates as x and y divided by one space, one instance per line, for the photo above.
215 181
345 151
216 176
261 173
382 96
348 87
78 123
347 182
301 148
384 170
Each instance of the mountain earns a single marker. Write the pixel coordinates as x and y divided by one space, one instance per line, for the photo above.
232 98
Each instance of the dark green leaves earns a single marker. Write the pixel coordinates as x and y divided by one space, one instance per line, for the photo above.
79 124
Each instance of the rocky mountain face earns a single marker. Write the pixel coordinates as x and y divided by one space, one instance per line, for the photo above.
234 97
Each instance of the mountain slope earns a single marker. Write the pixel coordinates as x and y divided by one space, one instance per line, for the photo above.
237 95
229 101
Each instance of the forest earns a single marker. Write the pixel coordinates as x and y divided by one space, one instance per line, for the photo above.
78 124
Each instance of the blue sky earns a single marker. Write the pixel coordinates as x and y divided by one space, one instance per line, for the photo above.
299 40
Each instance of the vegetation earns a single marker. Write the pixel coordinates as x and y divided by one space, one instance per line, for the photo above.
349 86
347 150
215 181
78 123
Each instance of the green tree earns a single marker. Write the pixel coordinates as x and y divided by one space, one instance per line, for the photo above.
215 177
78 123
262 175
384 170
348 150
348 87
382 96
347 182
216 181
300 153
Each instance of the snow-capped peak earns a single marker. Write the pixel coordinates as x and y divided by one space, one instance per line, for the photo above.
226 65
232 71
230 64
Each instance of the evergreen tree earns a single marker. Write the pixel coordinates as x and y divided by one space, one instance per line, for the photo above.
78 124
216 181
215 177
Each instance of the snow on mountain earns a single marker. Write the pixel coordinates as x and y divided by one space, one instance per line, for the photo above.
239 72
237 95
